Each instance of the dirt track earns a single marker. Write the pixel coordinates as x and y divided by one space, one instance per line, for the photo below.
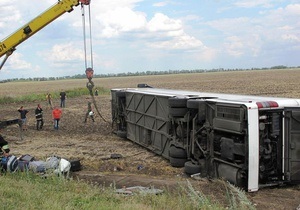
93 143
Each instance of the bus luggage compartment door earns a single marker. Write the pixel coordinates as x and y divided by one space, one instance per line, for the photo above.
292 144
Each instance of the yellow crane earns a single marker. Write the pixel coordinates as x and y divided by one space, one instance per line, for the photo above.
9 44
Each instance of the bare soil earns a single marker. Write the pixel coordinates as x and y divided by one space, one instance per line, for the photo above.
94 143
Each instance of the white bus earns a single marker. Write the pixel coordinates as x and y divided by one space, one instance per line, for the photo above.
251 141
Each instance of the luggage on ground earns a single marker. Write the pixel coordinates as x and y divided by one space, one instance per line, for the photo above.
37 166
12 163
52 162
75 165
26 158
23 165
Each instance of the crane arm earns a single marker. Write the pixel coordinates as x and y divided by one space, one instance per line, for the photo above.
8 45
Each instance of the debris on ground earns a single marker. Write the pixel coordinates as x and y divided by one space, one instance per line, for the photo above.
116 156
198 177
139 190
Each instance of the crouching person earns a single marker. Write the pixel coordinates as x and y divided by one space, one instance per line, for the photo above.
4 146
8 162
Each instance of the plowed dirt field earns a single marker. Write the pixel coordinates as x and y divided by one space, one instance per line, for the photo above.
93 142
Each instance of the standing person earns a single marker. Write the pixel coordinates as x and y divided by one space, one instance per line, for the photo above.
39 117
23 113
56 114
89 112
49 99
63 97
96 92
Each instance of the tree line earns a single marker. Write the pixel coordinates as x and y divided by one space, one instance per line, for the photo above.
142 73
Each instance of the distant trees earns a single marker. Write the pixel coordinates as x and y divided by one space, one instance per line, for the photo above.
279 67
142 73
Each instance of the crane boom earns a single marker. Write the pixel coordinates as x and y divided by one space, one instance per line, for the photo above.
8 45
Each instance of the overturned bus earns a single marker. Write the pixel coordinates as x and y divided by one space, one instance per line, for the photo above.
250 141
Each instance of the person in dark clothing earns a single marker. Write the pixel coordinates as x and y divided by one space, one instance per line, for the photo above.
96 92
63 96
23 113
39 117
4 145
89 112
4 154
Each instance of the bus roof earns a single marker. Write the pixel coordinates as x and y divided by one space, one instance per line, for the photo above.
261 101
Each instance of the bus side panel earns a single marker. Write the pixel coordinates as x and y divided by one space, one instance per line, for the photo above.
148 122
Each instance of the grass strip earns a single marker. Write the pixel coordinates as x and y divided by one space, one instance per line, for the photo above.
55 95
26 190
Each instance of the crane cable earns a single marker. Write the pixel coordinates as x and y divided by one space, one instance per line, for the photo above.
91 44
89 70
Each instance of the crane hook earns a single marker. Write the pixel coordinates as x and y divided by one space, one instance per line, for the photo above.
89 74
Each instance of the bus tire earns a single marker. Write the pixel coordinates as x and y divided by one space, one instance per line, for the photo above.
191 168
177 152
177 162
122 134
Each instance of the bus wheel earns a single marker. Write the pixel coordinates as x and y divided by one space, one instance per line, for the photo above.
177 162
177 152
122 134
191 168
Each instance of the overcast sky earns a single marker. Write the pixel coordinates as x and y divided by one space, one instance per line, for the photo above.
149 35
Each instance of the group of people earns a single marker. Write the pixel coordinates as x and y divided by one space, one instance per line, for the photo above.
56 114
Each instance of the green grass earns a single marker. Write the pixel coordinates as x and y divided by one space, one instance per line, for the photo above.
30 191
55 95
237 198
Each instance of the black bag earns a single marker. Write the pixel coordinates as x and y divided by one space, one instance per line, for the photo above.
75 165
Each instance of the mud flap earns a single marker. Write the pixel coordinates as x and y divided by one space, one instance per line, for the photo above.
292 144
